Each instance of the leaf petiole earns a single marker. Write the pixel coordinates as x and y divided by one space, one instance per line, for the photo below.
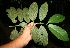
14 26
11 26
47 24
19 25
39 23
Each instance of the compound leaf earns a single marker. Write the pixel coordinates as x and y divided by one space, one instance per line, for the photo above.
40 35
43 11
25 15
56 18
33 10
14 34
58 32
23 24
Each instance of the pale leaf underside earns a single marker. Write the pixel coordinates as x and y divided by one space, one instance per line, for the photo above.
25 15
20 14
33 10
14 34
40 35
23 24
12 14
43 11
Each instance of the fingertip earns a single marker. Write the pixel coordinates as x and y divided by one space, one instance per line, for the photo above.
31 24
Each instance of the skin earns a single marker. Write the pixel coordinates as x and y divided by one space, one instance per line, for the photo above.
22 40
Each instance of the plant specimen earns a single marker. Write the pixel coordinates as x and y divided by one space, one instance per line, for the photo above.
40 34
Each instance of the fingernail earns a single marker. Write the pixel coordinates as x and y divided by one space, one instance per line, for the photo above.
29 24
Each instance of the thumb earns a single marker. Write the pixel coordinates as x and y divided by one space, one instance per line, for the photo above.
30 25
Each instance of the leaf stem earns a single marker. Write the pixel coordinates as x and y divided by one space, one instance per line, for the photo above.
47 24
17 25
39 23
11 26
14 26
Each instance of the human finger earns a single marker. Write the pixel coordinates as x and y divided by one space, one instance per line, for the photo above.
30 25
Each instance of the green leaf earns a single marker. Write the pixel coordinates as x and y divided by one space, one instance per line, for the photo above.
43 35
58 32
20 14
33 10
14 34
13 20
21 31
56 18
43 11
35 34
25 15
23 24
12 14
40 35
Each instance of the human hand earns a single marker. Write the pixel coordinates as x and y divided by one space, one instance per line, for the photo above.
27 32
22 40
